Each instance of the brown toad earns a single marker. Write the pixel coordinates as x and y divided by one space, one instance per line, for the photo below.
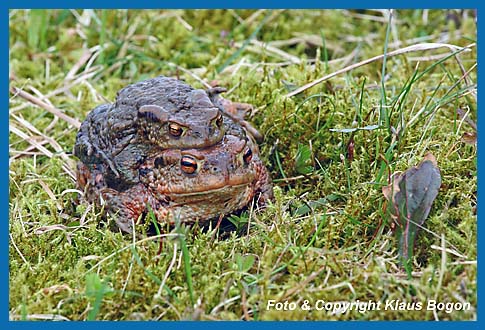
154 114
191 185
134 151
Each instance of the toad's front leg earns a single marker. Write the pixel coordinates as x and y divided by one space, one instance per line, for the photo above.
235 110
263 187
132 206
128 206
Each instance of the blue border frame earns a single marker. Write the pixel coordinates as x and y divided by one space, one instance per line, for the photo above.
4 36
248 4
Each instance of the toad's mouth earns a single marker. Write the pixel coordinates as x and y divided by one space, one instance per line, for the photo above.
227 188
214 201
208 185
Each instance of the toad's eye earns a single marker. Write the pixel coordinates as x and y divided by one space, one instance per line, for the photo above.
219 121
188 164
248 155
175 129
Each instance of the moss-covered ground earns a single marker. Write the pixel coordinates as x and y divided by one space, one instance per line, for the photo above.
330 150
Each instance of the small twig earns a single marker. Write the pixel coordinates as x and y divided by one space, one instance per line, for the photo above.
436 57
20 253
441 272
39 145
50 140
296 178
51 194
88 73
190 73
464 77
464 116
277 51
44 317
75 68
130 269
46 229
448 250
56 112
303 284
254 16
339 285
184 23
413 48
224 304
29 151
30 140
169 270
244 304
367 17
309 39
150 238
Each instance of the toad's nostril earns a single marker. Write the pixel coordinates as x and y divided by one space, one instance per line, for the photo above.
248 155
159 162
196 134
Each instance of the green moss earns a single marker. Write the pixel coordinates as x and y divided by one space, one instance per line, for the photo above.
325 237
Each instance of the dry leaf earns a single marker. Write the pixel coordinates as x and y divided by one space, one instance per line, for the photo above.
410 197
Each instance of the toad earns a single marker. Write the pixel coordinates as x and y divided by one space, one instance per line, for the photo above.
154 114
189 185
157 113
134 152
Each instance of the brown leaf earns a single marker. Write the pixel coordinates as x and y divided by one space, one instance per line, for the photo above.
469 138
410 196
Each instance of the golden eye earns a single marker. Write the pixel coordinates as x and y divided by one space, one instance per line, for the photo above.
175 129
248 155
219 121
188 164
